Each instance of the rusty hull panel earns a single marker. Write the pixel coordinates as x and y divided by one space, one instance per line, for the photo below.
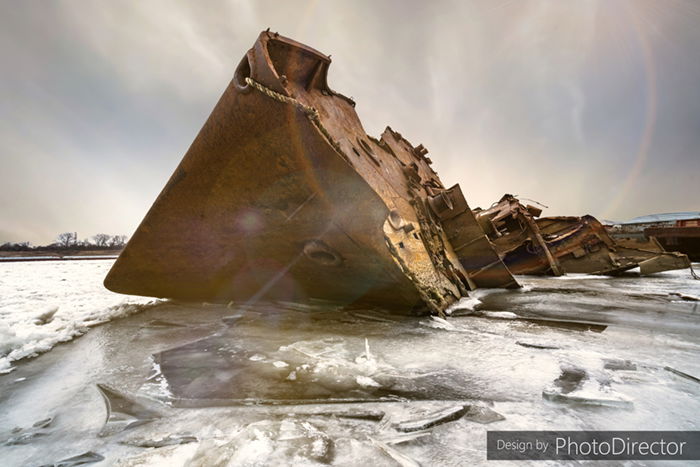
476 253
512 228
557 245
582 245
282 195
651 256
603 254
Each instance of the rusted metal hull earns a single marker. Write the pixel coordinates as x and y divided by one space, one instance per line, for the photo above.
597 253
650 254
678 232
557 245
283 196
512 228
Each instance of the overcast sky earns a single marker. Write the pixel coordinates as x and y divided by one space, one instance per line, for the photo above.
591 107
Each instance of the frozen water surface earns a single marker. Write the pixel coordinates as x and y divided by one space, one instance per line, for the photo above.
166 383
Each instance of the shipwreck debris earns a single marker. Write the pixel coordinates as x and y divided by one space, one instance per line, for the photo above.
678 231
529 244
332 203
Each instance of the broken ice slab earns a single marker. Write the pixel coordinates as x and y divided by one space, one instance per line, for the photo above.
369 415
169 440
402 459
438 323
46 316
43 423
500 315
405 437
439 417
81 459
472 412
618 364
161 323
537 345
269 442
682 374
124 411
597 398
24 438
231 320
567 324
28 435
482 414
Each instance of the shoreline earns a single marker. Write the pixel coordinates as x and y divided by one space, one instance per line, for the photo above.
68 255
56 258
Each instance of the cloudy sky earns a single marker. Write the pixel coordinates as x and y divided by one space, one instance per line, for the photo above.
587 106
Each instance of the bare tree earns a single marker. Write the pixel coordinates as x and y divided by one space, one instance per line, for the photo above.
67 239
19 246
118 241
101 240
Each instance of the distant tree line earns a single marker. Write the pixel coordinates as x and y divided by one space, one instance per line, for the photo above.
69 241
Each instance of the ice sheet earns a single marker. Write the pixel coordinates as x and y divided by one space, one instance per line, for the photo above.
45 303
308 385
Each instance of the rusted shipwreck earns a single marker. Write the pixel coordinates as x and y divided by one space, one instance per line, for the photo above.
677 231
282 195
529 244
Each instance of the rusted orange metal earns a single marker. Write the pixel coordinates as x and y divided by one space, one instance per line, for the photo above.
283 195
557 245
512 228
